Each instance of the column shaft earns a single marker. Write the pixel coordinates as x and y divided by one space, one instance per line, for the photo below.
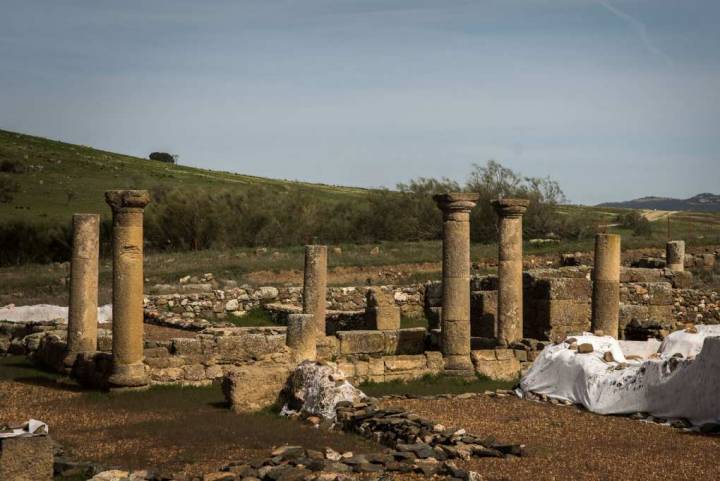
675 255
455 322
315 285
606 285
128 367
301 337
510 267
82 311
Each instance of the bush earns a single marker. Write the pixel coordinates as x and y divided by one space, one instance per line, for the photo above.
637 222
8 189
23 242
162 157
12 167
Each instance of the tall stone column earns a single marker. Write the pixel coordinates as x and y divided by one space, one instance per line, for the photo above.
455 322
127 208
301 337
83 302
315 285
675 255
510 266
606 285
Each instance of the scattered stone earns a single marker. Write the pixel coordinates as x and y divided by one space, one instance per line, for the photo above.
585 348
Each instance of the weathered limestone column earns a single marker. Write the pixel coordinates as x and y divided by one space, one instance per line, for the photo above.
606 285
675 255
301 337
83 302
315 285
455 322
510 266
127 207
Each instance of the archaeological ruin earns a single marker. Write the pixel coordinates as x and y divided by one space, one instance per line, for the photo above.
494 326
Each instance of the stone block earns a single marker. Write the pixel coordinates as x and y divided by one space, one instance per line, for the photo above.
382 312
505 370
520 355
361 342
328 348
255 386
504 354
183 346
194 372
483 313
483 355
376 366
563 288
214 372
660 293
168 375
155 352
637 274
435 362
404 363
405 341
661 314
26 459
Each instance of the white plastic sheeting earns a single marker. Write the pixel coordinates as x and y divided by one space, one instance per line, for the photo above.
31 428
46 312
664 386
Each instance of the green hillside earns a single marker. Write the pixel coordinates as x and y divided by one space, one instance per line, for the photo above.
57 179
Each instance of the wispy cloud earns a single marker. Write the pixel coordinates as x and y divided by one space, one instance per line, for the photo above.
639 28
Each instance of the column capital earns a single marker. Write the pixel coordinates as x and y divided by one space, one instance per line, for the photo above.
456 201
511 208
126 200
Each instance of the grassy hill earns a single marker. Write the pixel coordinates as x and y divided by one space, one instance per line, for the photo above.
58 179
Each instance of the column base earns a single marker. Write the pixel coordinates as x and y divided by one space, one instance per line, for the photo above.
459 365
128 375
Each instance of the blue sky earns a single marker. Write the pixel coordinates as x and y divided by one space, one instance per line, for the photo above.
614 99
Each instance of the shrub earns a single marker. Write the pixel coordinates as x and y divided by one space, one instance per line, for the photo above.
162 157
8 188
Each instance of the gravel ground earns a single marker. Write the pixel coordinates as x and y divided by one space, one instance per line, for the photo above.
566 443
193 431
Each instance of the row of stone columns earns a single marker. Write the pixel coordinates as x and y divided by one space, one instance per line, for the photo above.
455 321
127 209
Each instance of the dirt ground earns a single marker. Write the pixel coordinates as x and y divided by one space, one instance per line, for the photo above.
170 429
566 443
193 430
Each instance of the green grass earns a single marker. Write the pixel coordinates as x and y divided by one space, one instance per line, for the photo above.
433 385
408 322
256 317
61 179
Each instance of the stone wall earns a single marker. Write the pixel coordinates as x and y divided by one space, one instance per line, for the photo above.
200 309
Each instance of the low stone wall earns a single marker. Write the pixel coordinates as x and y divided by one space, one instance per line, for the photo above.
198 310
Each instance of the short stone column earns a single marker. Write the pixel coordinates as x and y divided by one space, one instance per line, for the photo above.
127 343
381 311
675 255
315 285
510 266
606 285
301 337
455 321
83 302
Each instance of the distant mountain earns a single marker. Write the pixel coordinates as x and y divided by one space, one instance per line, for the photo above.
705 202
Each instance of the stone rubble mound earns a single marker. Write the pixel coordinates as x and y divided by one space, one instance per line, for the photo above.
315 389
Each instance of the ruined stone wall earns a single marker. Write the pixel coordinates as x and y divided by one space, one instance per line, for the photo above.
198 310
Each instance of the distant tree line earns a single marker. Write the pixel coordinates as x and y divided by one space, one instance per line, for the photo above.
186 219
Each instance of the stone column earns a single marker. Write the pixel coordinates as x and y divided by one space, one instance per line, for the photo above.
301 337
455 322
83 302
127 207
606 285
315 285
510 266
675 255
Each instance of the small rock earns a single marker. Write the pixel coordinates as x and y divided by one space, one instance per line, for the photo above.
585 348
